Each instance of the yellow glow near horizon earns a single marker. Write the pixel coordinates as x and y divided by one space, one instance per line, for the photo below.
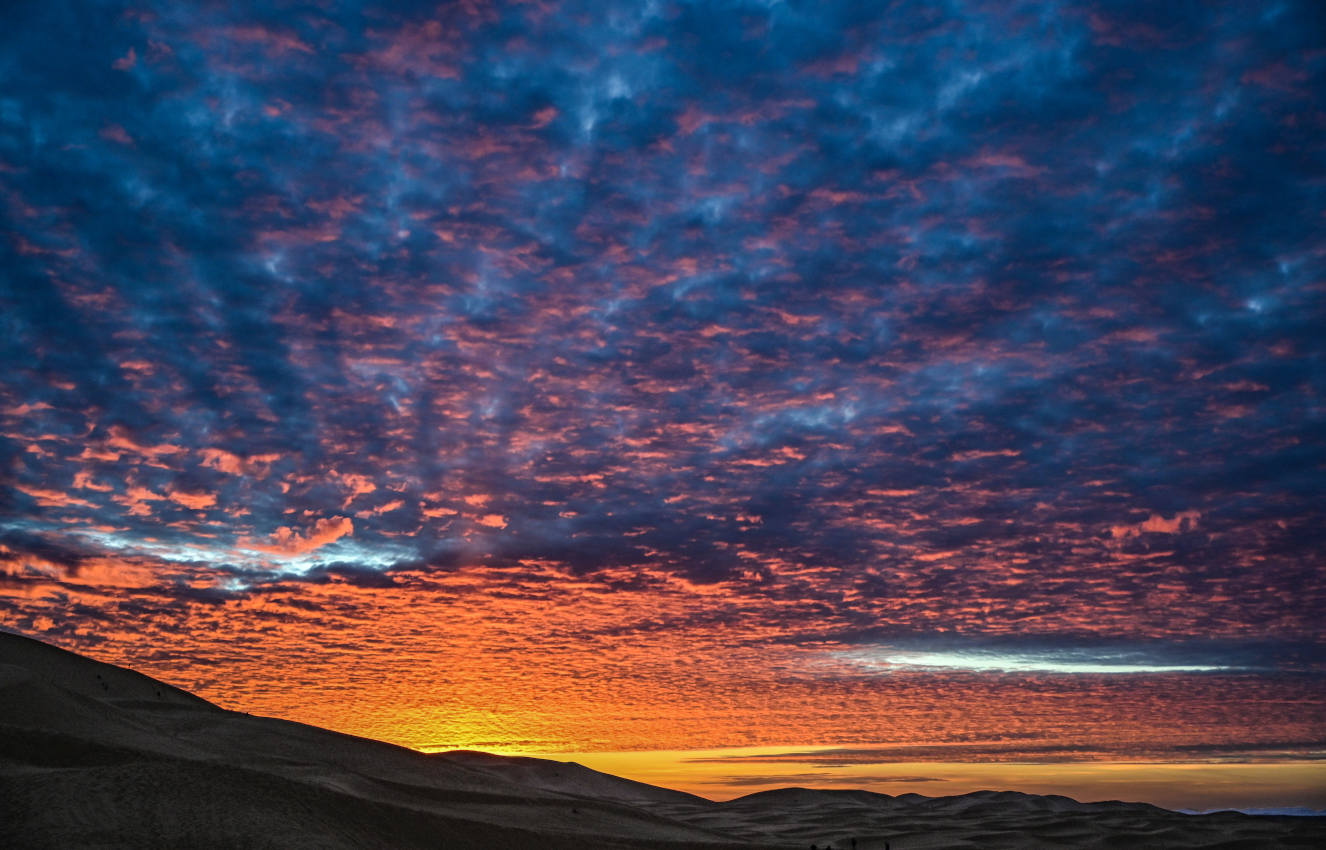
723 774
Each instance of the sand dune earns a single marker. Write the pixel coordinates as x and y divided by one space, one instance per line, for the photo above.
93 755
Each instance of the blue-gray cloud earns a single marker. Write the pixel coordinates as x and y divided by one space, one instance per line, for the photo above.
1000 316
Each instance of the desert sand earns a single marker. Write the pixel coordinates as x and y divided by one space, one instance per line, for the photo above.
97 756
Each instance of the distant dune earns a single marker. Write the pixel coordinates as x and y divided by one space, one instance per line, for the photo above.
97 756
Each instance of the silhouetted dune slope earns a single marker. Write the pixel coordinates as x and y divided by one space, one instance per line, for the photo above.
137 763
81 675
97 756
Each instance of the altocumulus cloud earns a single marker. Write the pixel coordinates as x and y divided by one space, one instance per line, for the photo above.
840 324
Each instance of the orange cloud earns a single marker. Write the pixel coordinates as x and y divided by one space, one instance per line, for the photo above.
83 481
382 509
196 501
53 498
358 485
136 498
232 464
222 460
287 541
120 439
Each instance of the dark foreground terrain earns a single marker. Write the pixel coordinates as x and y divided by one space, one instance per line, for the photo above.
96 756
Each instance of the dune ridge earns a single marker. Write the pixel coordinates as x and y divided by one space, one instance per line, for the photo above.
94 755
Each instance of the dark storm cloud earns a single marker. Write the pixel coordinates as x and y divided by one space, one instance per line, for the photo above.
1005 315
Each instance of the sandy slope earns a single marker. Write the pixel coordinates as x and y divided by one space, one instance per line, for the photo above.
93 755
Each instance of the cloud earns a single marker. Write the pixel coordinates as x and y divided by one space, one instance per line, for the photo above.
802 329
53 498
233 464
193 501
1157 524
1031 751
1097 660
290 542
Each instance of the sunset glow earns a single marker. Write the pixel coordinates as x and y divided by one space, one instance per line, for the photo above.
726 395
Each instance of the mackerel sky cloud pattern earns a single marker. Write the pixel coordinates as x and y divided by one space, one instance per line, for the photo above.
754 333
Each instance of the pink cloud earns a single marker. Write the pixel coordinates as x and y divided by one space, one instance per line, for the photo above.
1182 521
126 61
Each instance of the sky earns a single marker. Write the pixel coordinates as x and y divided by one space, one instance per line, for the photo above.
907 382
